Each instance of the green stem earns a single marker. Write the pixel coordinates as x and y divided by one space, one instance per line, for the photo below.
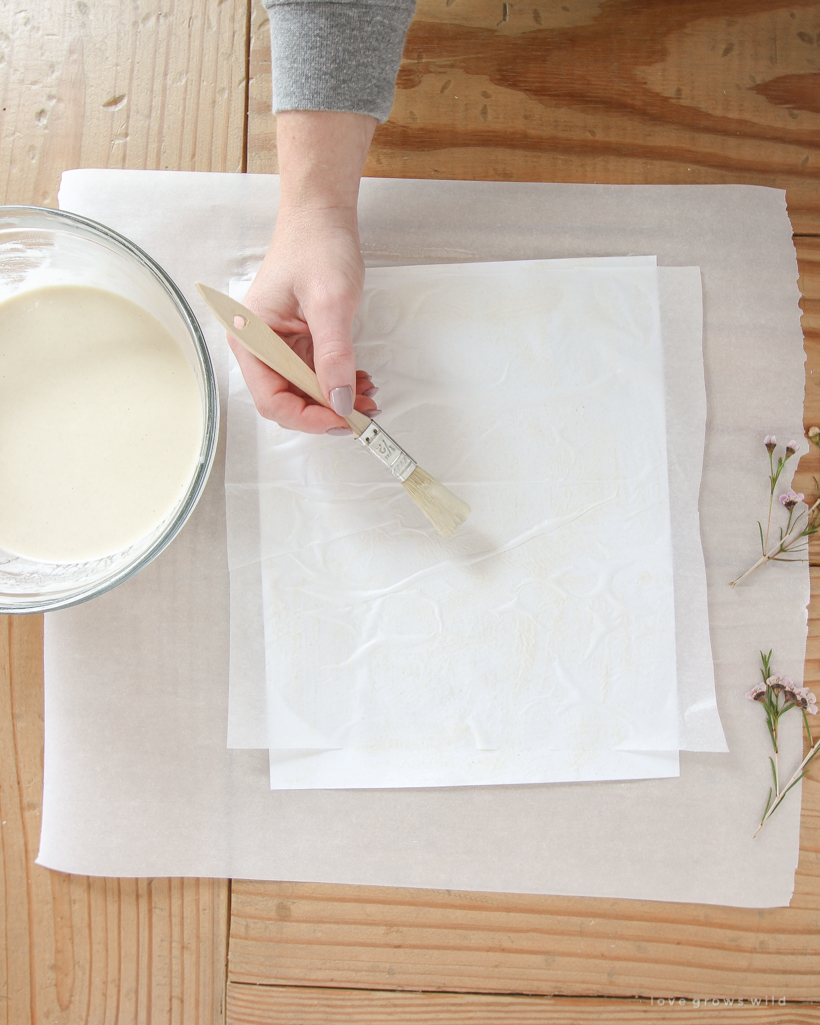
785 543
815 749
773 479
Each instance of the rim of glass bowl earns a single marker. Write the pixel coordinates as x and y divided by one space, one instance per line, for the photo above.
101 232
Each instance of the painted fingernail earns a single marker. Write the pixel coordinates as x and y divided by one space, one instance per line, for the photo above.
370 392
373 412
338 431
341 399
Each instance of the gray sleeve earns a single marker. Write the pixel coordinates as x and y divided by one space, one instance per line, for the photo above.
337 54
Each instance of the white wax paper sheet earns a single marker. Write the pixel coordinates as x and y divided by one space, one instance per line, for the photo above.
539 643
681 313
138 780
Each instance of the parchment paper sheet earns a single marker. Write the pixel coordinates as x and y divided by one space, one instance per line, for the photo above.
536 646
685 401
138 780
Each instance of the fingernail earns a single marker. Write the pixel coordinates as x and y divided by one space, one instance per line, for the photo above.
341 399
370 392
338 431
373 412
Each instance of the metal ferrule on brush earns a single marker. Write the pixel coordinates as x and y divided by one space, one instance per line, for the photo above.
387 451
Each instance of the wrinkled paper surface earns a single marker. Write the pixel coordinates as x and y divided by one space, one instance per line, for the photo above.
537 644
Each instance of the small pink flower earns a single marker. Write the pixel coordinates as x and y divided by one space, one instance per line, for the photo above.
791 498
757 692
791 448
779 683
808 702
770 441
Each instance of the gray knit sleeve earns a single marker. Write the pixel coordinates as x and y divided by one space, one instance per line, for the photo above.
337 54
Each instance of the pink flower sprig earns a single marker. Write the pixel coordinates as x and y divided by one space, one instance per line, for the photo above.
778 695
800 526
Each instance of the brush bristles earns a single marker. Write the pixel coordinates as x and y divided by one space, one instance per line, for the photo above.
441 507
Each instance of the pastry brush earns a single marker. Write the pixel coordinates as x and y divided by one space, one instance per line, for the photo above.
444 509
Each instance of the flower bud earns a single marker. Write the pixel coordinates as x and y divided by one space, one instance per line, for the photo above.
814 433
770 441
791 448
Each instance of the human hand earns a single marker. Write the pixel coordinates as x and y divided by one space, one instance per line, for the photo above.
309 286
308 290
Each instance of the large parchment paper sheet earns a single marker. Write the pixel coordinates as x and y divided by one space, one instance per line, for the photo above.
138 780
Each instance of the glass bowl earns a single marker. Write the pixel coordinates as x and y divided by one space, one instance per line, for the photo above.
41 247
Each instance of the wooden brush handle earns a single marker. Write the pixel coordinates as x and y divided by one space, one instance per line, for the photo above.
358 422
266 345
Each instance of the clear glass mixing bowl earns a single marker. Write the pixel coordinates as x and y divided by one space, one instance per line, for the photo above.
40 247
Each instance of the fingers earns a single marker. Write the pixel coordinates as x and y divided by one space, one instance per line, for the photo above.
331 327
364 384
276 399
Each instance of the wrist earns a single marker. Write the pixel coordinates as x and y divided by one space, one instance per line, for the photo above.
321 158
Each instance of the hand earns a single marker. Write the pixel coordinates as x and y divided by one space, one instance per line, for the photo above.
308 290
309 286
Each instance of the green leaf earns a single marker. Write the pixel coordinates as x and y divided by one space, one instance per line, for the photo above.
811 757
794 782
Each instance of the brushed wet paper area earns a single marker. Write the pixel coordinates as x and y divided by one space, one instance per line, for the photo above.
538 644
138 779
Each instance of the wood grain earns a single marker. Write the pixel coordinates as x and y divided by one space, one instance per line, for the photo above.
625 91
382 938
142 85
260 1005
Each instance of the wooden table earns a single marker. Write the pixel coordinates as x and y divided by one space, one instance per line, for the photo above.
579 90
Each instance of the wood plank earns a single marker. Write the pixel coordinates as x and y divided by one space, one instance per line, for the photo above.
626 91
260 1005
261 145
148 85
89 85
385 938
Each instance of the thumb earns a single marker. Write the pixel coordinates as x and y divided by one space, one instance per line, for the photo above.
331 328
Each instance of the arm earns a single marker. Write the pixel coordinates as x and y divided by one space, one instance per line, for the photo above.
334 68
310 283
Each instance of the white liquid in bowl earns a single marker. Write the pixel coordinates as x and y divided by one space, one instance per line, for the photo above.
101 424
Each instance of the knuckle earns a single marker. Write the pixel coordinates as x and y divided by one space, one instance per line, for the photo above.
333 301
266 407
333 354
